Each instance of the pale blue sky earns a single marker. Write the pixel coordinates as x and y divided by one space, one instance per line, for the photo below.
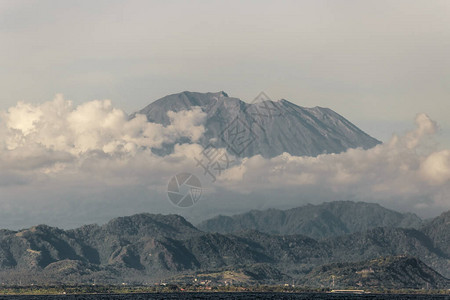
378 63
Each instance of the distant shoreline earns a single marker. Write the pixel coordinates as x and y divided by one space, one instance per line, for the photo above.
35 290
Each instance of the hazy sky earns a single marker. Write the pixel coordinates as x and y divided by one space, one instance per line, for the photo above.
378 63
384 65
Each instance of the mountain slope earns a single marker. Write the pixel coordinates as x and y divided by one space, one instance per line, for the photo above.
386 242
396 272
439 232
316 221
125 247
269 127
147 247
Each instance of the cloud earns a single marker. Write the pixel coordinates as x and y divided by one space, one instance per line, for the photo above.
55 154
91 162
57 141
93 126
436 168
398 173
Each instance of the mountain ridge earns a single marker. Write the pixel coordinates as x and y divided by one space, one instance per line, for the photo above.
316 221
147 247
391 272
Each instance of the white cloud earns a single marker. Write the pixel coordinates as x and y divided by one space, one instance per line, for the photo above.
397 173
436 168
59 142
92 126
95 148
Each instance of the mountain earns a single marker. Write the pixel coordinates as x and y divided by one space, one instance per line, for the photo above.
146 248
384 241
397 272
92 252
316 221
439 232
265 127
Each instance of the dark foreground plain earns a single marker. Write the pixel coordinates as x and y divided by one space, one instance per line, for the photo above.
226 296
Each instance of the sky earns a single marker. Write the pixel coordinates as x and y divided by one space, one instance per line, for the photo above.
381 64
378 63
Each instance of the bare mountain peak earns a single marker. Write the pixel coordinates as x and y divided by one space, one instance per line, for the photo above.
273 127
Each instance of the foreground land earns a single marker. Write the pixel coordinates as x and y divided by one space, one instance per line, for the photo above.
314 246
175 288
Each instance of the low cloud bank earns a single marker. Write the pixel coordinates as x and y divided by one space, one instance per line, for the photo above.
403 173
57 158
